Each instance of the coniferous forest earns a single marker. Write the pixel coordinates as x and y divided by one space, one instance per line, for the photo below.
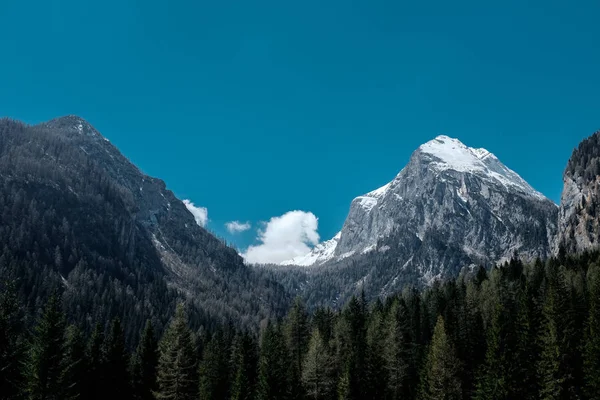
514 332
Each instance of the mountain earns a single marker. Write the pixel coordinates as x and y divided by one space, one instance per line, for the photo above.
76 214
320 254
451 207
579 215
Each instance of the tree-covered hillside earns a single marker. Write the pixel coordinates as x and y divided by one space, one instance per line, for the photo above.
76 216
517 332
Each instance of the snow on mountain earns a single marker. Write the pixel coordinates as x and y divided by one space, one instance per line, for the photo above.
449 153
377 193
446 187
320 254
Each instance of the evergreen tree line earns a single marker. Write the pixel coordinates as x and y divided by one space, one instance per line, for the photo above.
515 332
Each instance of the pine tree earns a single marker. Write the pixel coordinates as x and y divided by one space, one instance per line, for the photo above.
508 369
398 352
549 368
354 361
273 378
557 369
341 350
46 353
323 319
575 344
535 317
297 333
116 363
473 341
94 379
376 379
12 346
441 375
592 340
144 364
318 369
343 387
74 366
214 371
522 355
492 382
244 365
177 374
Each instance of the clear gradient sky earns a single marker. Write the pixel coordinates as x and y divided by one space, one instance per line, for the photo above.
256 108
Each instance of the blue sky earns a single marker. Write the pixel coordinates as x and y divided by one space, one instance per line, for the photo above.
253 109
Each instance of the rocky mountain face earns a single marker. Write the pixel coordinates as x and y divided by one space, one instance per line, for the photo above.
165 218
76 214
579 222
451 207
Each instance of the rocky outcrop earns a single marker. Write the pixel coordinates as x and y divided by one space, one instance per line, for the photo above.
578 221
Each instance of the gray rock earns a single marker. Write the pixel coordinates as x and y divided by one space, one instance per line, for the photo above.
452 206
578 218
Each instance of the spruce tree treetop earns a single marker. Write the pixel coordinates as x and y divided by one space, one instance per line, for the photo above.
144 363
177 372
441 379
44 367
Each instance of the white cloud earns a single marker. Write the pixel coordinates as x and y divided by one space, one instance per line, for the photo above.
200 213
236 226
284 238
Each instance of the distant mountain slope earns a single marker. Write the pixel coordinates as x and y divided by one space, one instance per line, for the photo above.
579 216
75 212
452 206
320 254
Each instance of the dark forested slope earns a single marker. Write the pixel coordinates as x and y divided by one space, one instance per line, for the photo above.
515 332
75 214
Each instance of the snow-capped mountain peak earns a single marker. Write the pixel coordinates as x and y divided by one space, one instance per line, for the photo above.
446 153
447 191
450 153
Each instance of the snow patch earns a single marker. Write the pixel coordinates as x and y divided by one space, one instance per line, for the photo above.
370 200
377 193
369 249
383 249
346 255
361 281
367 203
462 192
452 154
407 262
462 195
320 254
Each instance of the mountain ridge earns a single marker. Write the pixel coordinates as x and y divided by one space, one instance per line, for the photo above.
113 229
450 209
440 154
